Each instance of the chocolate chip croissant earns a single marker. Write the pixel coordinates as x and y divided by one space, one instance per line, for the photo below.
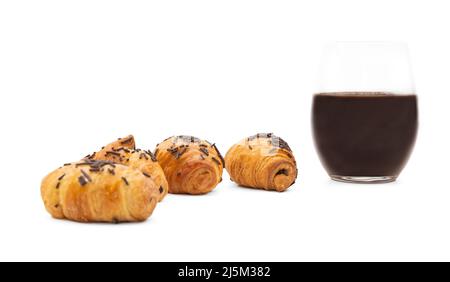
92 190
262 161
191 165
123 151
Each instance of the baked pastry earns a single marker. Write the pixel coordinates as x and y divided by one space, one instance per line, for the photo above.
126 142
191 165
262 161
123 151
92 190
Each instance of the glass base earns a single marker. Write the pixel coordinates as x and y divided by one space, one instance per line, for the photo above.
364 179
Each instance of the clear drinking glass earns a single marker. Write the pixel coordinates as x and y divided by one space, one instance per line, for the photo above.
364 112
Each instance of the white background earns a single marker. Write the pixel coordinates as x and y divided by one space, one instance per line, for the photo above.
75 75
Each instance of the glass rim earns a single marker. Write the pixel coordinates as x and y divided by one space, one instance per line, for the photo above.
367 42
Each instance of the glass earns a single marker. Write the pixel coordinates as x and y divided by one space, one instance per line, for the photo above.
364 112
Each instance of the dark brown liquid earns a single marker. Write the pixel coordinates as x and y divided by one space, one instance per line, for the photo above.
364 134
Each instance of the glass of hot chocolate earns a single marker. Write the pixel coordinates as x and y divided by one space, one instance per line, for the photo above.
364 112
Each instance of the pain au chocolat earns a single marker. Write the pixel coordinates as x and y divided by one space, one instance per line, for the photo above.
118 183
99 191
262 161
191 165
123 151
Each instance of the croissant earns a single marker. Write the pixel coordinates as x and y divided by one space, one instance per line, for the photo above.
262 161
92 190
191 165
123 151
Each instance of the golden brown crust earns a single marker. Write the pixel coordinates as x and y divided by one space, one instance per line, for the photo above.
125 142
191 165
262 161
91 191
123 152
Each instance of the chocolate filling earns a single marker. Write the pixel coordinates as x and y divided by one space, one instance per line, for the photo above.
283 171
